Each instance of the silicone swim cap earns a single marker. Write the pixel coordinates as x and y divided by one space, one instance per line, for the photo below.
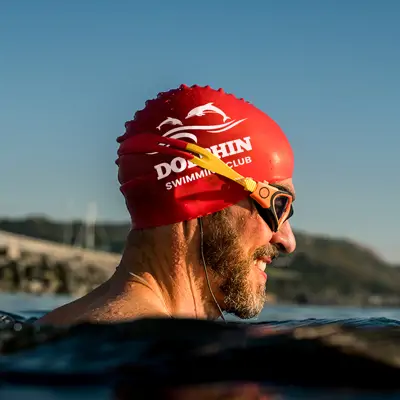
162 189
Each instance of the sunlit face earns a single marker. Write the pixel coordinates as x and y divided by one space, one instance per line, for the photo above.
238 246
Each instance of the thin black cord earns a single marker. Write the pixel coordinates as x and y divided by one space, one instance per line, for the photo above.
205 266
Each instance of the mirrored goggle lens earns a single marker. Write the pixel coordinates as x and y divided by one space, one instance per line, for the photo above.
279 214
281 204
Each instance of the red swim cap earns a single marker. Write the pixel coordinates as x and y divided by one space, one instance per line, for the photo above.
161 189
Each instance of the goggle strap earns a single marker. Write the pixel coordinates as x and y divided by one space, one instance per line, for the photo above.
214 164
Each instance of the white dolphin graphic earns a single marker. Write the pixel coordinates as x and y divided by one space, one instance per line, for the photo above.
206 109
180 132
170 121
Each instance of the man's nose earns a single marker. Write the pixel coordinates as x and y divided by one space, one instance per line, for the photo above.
285 239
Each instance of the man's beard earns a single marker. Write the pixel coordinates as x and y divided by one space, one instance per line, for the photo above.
225 258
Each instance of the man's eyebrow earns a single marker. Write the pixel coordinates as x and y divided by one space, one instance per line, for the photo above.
286 189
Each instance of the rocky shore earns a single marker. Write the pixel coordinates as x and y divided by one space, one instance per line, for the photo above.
42 267
323 271
34 266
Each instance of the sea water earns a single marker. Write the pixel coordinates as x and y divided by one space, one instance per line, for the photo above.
29 305
291 315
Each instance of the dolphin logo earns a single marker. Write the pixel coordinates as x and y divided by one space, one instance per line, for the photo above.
208 108
180 132
170 121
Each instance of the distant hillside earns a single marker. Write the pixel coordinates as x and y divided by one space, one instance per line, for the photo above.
323 270
108 236
339 271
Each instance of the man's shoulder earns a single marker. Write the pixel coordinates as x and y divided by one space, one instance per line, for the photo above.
118 310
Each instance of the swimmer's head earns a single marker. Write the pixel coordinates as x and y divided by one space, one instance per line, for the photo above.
162 188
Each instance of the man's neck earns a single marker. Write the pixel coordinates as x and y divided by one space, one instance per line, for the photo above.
166 262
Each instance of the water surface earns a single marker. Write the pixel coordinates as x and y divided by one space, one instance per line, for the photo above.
29 305
272 315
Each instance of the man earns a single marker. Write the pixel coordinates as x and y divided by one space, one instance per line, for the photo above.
202 235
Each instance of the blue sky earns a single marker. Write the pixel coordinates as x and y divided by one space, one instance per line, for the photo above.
71 74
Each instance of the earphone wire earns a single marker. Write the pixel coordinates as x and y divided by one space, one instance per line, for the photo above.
205 267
